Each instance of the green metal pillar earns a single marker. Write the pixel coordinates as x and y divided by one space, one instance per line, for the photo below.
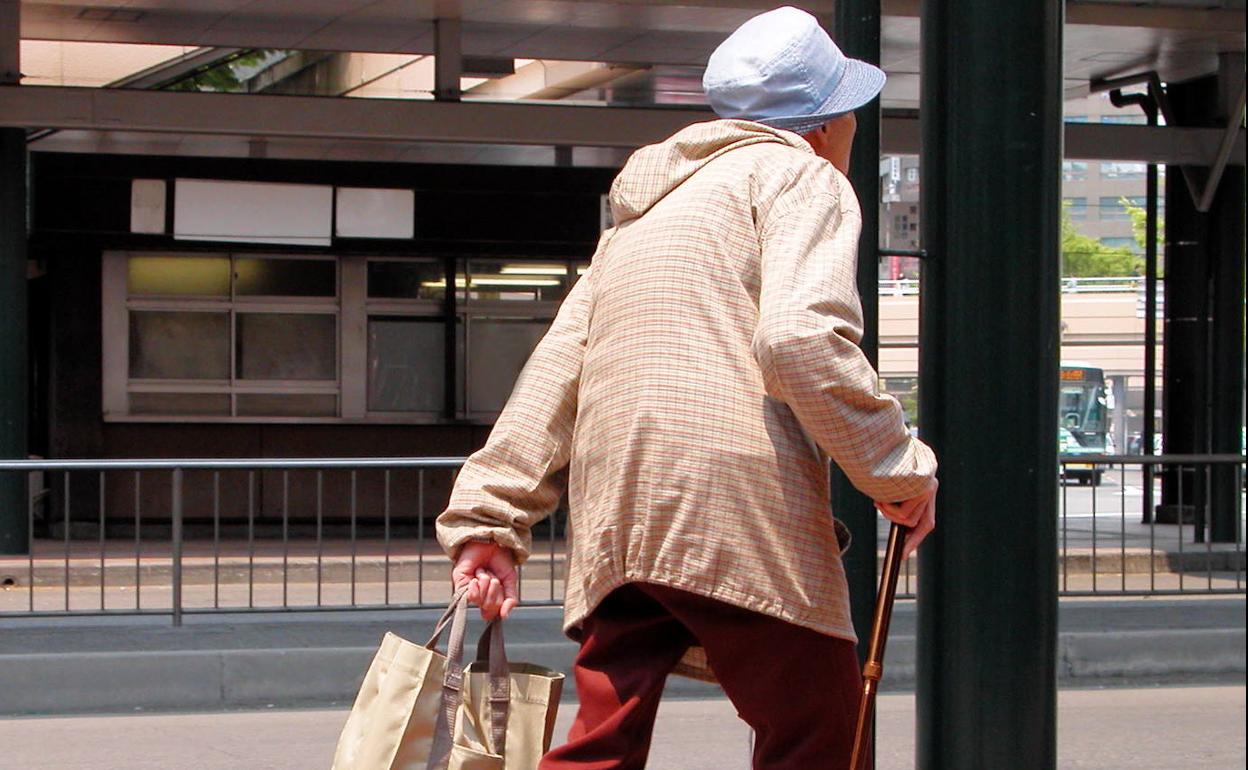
13 372
1185 373
856 29
1227 356
1204 352
14 537
988 360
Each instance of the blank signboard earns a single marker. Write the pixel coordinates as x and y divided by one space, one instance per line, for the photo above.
252 212
375 213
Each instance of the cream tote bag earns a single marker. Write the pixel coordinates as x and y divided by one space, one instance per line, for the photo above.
420 710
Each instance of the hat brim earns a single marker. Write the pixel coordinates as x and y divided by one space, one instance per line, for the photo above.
860 83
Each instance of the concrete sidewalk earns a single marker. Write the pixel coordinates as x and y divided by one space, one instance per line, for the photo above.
1137 728
120 663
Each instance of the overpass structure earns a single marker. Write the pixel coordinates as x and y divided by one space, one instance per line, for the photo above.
310 179
1102 322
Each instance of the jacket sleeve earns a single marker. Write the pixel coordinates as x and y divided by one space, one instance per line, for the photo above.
518 477
806 344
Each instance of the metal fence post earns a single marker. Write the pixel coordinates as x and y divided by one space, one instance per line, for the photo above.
176 566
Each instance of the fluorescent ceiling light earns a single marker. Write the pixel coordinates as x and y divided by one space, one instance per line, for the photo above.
514 282
461 282
522 269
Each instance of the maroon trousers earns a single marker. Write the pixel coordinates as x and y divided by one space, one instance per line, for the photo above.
797 688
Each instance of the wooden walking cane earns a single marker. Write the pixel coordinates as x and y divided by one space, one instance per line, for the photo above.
873 669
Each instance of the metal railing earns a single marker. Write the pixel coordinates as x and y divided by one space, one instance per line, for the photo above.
1112 540
180 536
1134 525
907 287
177 537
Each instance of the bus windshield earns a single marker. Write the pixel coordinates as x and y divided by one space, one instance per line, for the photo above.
1081 404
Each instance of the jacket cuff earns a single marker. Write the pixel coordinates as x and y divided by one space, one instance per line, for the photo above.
454 537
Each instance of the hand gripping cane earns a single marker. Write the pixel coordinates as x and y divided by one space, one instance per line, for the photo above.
873 669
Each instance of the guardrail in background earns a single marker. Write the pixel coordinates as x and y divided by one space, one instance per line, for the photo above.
173 537
1112 542
905 287
190 536
1119 535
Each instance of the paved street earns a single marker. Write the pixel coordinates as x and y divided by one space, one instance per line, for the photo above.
1140 729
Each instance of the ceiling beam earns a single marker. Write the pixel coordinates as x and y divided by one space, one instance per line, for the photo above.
541 79
402 120
312 117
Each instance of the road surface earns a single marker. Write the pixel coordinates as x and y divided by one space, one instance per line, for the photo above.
1140 729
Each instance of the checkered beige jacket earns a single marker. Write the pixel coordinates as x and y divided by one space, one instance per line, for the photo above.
694 383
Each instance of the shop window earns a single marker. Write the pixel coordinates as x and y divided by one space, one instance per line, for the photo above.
406 364
406 339
395 279
256 337
268 277
174 276
286 346
287 405
512 281
180 404
166 345
498 349
220 336
507 305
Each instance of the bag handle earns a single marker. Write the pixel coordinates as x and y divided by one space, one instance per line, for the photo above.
452 680
446 618
490 647
499 698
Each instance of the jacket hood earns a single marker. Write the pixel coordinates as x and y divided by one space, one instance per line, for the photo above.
657 169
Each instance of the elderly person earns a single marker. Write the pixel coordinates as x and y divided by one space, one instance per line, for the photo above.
689 395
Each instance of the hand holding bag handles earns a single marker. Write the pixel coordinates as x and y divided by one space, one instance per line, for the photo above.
489 648
418 709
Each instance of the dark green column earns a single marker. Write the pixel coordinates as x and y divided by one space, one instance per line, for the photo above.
1226 430
13 373
1204 334
988 359
856 29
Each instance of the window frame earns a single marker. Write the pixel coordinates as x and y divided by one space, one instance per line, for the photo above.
389 308
469 308
118 304
352 308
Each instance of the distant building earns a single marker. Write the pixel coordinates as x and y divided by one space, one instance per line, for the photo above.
1095 195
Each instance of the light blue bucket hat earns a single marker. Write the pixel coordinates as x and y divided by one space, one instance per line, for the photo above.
781 69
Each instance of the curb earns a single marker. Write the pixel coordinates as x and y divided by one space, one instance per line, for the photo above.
94 682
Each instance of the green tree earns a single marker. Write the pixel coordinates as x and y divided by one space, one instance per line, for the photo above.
225 76
1085 257
1139 229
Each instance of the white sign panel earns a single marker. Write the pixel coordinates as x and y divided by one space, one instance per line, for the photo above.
147 206
252 212
375 213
